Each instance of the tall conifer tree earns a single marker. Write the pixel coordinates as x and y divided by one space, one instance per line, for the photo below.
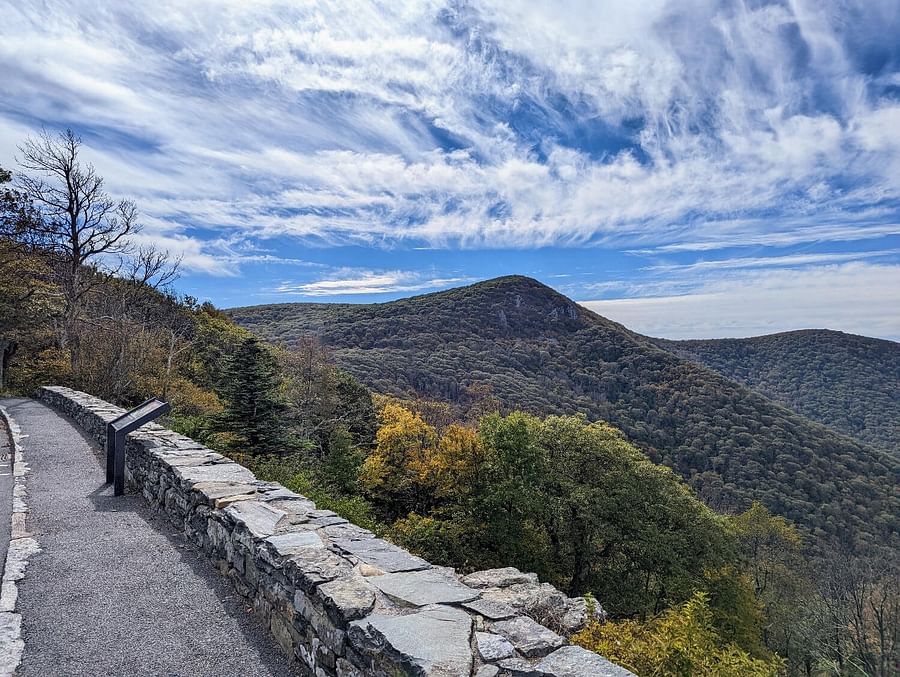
253 407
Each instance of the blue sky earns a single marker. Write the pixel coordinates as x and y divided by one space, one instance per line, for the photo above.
692 168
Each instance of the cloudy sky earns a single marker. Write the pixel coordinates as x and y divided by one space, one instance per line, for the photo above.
689 168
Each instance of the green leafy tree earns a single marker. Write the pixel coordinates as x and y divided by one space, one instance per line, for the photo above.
23 274
435 539
340 465
253 407
509 506
19 220
737 612
217 339
622 527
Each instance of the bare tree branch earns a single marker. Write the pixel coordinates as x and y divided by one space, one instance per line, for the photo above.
78 223
79 220
152 267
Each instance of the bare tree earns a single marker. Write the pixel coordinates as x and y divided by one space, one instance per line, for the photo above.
160 318
178 328
79 222
127 320
858 611
320 398
872 593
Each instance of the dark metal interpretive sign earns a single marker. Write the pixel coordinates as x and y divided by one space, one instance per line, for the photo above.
115 438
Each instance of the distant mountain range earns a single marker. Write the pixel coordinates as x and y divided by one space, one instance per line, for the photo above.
847 382
541 352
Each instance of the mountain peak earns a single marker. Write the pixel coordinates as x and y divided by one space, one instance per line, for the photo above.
516 284
512 281
509 305
527 287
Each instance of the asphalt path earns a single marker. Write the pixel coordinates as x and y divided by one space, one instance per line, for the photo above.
115 590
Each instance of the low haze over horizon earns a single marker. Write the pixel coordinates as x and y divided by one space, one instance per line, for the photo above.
689 169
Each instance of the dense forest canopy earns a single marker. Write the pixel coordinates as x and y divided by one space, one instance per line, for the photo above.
849 383
538 351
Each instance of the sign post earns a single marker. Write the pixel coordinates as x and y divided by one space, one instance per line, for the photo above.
115 438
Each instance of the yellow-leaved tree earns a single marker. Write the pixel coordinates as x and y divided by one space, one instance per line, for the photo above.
398 474
681 642
458 464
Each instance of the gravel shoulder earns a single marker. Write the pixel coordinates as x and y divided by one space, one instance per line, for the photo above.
6 491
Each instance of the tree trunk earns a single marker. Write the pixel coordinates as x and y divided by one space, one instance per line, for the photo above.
7 350
170 357
70 320
582 557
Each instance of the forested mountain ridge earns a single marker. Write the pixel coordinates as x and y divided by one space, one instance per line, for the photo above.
849 383
541 352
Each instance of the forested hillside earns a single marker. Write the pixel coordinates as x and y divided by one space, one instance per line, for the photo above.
474 483
536 350
847 382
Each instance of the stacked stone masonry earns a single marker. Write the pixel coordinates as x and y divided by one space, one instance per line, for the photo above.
337 599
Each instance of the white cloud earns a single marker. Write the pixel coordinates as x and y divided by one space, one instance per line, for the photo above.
785 261
854 297
751 232
354 281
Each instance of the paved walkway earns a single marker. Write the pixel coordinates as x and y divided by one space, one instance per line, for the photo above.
115 590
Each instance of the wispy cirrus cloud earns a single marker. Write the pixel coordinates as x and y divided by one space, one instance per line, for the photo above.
785 261
475 125
356 282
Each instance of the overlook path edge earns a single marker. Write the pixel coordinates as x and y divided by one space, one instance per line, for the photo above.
116 589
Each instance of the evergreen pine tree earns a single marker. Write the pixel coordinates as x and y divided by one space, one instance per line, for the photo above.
253 407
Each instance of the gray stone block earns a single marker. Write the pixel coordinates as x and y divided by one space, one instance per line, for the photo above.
495 611
488 671
421 588
347 532
383 555
493 647
328 521
434 641
575 661
528 636
519 667
259 518
348 598
284 545
219 472
498 578
309 567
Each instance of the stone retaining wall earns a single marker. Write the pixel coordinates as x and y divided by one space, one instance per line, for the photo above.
337 599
